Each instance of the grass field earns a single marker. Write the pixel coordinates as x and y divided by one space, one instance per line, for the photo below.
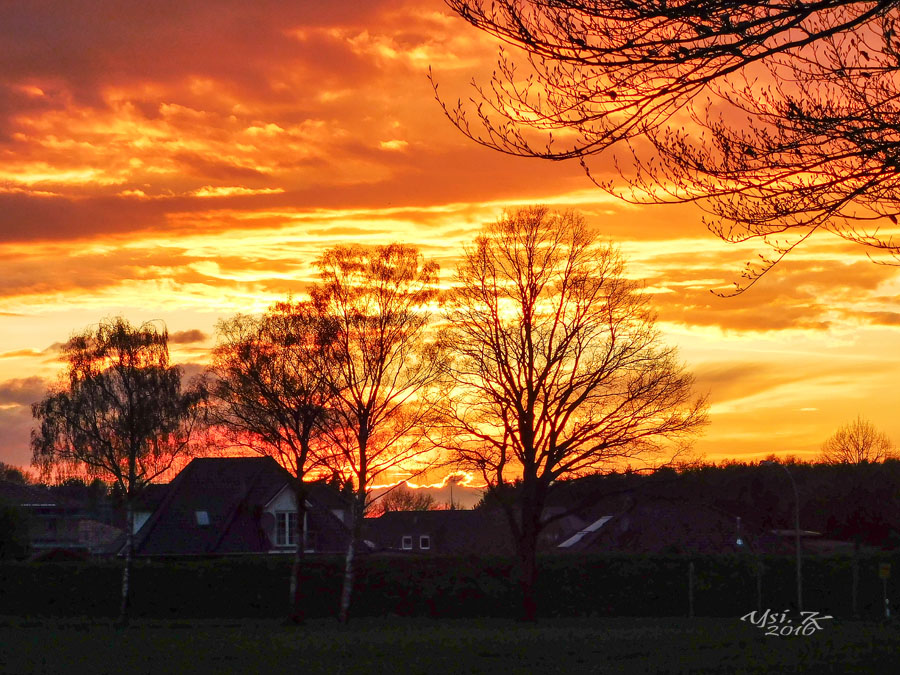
401 646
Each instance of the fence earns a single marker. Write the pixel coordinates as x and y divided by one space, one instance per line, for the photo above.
608 585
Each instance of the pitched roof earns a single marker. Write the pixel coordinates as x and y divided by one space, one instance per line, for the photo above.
653 525
325 496
152 496
451 531
230 491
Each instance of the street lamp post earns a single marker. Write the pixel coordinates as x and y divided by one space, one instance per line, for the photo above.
796 532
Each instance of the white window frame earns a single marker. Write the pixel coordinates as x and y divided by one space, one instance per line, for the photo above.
406 542
285 535
425 542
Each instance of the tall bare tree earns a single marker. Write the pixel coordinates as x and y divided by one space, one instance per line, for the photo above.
859 447
797 100
383 366
558 369
120 415
272 396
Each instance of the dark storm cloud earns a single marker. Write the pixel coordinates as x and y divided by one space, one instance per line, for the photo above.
185 337
22 391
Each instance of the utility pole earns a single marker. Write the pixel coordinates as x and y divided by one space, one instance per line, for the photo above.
796 532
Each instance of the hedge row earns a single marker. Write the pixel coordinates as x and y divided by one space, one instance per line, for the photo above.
257 587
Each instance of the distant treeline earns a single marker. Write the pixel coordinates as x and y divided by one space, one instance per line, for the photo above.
840 501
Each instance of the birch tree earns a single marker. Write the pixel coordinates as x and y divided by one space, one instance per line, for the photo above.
272 397
120 414
383 367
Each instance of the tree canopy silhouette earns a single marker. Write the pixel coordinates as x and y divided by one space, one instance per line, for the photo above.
858 442
402 498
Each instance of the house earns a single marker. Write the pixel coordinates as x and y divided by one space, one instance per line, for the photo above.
651 524
57 523
483 531
658 525
238 505
453 532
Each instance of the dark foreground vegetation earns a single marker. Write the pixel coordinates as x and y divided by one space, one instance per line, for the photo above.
402 645
447 587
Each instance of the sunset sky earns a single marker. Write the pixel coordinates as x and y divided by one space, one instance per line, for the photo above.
187 161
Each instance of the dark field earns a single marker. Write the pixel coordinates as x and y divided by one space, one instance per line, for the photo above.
410 645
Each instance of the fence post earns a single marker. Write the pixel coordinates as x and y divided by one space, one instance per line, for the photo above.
691 589
759 571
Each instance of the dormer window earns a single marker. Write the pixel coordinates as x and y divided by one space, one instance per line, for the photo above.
424 542
202 518
406 543
285 528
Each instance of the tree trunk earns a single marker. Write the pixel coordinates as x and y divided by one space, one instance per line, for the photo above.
854 583
527 579
527 546
356 515
297 614
126 570
347 588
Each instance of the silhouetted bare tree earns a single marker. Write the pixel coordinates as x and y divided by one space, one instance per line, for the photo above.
383 364
858 442
861 448
272 396
121 415
797 102
402 498
558 369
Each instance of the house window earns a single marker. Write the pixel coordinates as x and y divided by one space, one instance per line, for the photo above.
310 539
285 528
202 518
406 543
424 542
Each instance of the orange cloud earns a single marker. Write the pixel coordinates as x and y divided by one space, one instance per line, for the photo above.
186 161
